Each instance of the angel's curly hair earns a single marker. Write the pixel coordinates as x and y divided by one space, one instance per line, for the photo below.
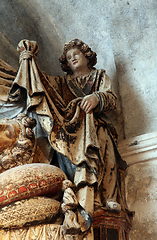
84 48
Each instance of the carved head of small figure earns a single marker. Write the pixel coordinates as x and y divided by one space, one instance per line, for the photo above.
17 141
80 48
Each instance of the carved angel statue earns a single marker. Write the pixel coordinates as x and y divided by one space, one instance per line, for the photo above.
71 110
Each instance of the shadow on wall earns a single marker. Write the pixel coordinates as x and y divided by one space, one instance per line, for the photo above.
8 53
116 116
133 109
19 21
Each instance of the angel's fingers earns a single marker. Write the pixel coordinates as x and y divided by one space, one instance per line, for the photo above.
84 104
88 108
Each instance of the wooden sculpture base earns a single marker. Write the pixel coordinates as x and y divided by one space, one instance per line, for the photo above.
111 225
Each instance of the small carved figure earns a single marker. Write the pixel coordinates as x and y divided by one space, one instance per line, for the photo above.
17 142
